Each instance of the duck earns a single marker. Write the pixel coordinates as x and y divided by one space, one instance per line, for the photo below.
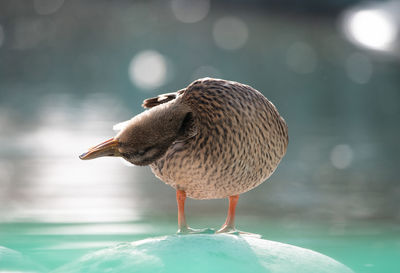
213 139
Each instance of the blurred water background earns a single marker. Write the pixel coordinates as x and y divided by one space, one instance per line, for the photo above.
71 69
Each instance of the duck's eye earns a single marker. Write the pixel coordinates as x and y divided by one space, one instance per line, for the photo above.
142 152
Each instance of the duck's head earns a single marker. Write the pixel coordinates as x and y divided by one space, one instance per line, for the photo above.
146 137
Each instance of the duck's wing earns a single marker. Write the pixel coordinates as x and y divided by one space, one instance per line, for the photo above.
151 102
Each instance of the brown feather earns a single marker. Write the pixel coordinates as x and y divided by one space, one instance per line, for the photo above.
151 102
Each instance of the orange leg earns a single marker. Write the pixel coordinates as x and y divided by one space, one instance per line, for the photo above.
180 199
229 225
183 228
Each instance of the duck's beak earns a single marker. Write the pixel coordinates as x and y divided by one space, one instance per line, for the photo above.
107 148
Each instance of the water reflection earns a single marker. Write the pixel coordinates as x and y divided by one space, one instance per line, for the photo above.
93 229
50 183
69 192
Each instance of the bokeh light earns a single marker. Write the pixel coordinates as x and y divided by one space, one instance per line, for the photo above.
341 156
371 28
190 11
230 33
148 69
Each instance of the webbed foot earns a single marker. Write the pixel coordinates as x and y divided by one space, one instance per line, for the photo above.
232 230
188 230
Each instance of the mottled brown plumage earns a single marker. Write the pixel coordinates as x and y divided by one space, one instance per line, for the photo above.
213 139
240 140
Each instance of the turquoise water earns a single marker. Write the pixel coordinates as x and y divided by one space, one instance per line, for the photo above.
364 247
